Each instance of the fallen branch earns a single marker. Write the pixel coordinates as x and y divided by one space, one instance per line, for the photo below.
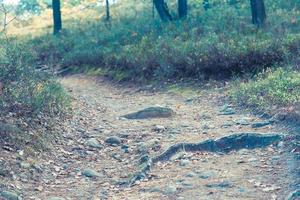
222 145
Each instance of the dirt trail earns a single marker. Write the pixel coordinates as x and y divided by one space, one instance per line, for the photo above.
98 105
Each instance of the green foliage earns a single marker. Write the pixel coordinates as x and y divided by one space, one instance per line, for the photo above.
280 87
31 6
220 42
23 88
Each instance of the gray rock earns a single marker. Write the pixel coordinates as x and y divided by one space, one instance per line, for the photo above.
56 198
227 124
90 173
93 142
25 165
184 163
206 175
10 195
227 110
261 124
187 184
125 148
142 148
159 128
224 184
151 112
114 140
154 189
243 122
170 189
190 174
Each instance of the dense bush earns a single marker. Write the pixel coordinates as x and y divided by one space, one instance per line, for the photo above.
280 87
23 88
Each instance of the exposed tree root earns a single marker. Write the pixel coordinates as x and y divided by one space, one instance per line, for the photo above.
222 145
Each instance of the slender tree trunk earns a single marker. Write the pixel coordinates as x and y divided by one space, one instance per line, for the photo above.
258 12
107 10
182 8
56 16
162 10
206 4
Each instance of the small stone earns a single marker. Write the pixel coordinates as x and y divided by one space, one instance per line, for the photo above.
252 160
56 198
93 142
187 184
90 173
125 148
114 140
206 175
144 158
227 124
25 165
159 128
191 174
243 122
184 163
261 124
227 110
9 195
224 184
155 189
170 189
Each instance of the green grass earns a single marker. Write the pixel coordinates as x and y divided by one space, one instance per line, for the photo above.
268 90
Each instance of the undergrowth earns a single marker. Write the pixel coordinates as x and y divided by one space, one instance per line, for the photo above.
268 90
219 43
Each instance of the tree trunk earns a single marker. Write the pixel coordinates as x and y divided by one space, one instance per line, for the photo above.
56 16
107 10
258 12
162 10
182 8
206 4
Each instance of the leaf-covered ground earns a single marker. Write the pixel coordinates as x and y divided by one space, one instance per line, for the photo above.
83 165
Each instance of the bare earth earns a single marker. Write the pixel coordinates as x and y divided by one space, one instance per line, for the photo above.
98 105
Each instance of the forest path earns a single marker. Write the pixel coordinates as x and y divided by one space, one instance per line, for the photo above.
83 166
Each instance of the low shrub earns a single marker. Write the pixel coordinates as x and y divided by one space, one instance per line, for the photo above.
23 88
269 89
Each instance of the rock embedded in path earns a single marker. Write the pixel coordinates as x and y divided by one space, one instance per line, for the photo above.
151 112
113 140
159 128
224 184
261 124
243 122
90 173
170 189
227 110
184 162
93 142
10 195
25 165
56 198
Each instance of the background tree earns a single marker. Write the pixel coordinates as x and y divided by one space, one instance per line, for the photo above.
107 10
206 4
182 8
56 16
162 10
258 12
